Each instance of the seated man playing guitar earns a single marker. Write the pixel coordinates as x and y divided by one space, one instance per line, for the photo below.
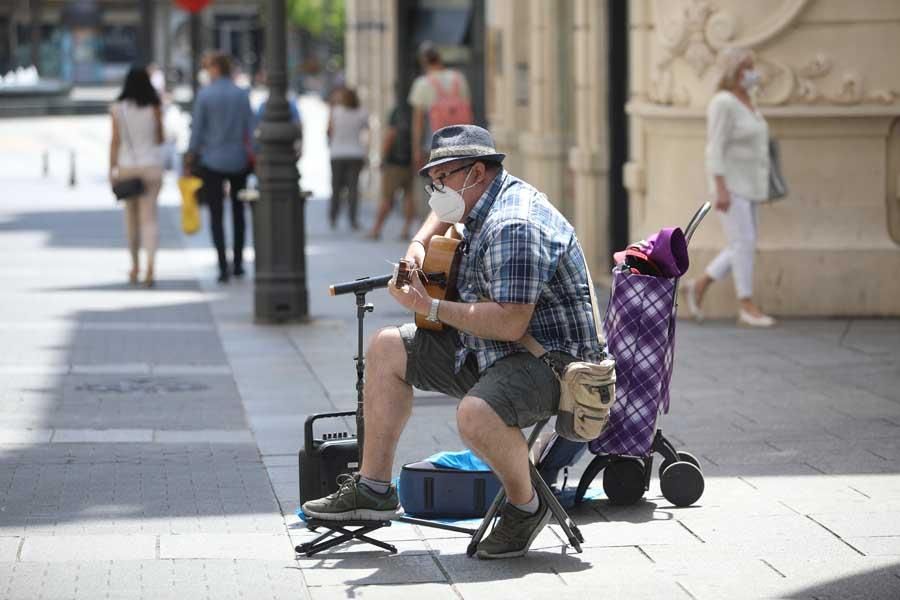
522 271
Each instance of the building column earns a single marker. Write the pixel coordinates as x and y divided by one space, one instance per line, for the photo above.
505 17
588 159
371 50
543 145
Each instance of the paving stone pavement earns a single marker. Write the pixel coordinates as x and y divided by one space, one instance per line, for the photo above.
148 438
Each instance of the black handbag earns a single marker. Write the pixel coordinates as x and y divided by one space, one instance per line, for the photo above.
132 187
127 189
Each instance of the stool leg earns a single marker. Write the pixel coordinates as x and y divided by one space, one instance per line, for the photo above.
486 521
562 517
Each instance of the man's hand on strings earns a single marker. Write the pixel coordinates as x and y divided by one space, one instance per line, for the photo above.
414 296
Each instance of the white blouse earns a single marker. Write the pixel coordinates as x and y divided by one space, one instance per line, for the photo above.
137 135
347 125
737 147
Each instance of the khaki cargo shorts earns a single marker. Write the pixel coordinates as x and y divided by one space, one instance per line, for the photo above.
520 388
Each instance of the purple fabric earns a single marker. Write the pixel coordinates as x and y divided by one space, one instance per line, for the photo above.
640 333
667 249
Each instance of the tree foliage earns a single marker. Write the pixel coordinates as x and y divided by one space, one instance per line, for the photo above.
318 17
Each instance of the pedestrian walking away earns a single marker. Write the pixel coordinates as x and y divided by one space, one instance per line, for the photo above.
346 124
136 153
219 151
737 164
439 97
396 171
523 273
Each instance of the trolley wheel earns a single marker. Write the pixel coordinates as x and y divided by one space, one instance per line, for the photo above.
682 456
682 483
623 481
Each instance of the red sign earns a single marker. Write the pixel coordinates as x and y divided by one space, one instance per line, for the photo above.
193 6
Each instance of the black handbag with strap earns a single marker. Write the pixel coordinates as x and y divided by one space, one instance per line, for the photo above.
132 187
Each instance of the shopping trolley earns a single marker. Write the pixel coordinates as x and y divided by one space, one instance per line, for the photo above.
640 334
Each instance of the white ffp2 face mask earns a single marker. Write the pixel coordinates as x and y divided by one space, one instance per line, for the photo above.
750 79
448 204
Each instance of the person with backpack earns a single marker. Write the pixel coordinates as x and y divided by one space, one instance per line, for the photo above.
439 97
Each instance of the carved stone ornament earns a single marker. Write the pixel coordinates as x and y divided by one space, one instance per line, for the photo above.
782 84
695 31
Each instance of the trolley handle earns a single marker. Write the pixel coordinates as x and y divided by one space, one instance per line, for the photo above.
695 220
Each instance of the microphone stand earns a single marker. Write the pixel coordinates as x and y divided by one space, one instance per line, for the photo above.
362 307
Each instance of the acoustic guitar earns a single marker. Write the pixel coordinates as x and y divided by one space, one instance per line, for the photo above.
438 272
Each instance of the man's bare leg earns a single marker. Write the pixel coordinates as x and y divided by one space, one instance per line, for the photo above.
388 403
502 447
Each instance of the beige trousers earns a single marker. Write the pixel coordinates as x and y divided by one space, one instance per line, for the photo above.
141 224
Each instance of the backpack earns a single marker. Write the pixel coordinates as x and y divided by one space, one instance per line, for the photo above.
554 453
449 107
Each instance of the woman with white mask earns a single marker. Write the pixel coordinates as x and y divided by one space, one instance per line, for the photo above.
737 165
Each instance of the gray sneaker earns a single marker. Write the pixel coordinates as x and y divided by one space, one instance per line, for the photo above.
514 534
354 502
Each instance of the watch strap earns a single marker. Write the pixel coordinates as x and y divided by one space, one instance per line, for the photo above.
433 311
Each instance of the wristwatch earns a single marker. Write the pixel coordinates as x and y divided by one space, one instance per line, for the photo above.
433 311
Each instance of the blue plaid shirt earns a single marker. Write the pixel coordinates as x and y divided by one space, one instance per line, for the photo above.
521 250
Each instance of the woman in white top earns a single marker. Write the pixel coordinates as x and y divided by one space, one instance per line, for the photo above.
737 164
345 127
136 151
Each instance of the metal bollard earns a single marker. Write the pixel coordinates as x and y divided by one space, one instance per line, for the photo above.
45 166
73 181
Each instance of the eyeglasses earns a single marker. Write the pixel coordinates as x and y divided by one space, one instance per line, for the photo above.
438 186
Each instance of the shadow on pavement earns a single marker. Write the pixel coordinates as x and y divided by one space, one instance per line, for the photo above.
86 228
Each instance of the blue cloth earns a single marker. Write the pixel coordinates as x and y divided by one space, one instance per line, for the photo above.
221 127
464 460
521 250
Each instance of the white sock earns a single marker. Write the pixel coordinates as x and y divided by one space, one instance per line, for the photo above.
532 505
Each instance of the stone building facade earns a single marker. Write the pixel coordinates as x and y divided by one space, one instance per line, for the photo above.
554 84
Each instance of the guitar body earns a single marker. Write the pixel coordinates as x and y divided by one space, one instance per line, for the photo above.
441 264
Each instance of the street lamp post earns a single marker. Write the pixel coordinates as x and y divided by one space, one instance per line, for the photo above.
35 8
278 222
146 43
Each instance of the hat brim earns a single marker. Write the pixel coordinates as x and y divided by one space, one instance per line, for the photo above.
497 158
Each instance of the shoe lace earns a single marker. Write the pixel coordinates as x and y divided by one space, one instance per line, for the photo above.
346 484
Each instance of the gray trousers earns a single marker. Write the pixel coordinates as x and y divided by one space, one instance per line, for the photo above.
345 177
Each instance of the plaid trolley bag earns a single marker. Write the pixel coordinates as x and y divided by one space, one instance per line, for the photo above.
640 331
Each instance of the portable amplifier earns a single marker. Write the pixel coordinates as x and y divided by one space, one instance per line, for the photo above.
322 459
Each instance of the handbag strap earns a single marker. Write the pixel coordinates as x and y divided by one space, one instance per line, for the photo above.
535 347
125 128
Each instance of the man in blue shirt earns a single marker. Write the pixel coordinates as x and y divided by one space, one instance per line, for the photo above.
523 271
219 151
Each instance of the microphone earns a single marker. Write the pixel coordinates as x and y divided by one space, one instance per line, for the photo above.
363 284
